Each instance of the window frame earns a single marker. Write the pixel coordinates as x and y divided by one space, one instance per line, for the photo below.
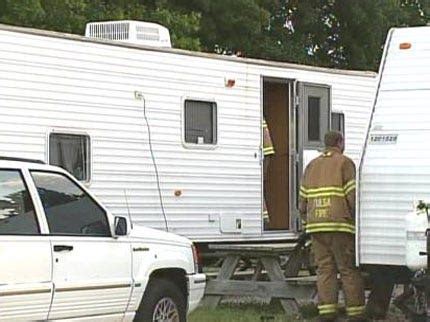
80 186
343 121
204 146
36 209
75 133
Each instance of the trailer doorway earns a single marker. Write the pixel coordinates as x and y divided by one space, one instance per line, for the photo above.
276 167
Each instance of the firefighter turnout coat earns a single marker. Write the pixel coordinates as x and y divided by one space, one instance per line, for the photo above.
268 151
327 194
268 148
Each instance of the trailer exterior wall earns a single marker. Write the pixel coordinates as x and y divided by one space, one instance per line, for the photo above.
68 84
393 176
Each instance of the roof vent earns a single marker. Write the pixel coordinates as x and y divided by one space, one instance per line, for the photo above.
136 32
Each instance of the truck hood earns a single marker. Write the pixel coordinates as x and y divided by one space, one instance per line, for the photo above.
157 236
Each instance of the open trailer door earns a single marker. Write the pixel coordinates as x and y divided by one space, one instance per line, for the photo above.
313 120
277 112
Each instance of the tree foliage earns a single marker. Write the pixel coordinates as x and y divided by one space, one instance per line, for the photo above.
349 33
333 33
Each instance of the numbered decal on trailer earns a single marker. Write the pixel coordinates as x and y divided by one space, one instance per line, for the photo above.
383 139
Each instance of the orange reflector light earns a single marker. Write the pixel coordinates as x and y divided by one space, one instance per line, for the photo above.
230 82
405 45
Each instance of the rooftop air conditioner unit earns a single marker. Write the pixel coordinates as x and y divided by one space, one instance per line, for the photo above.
135 32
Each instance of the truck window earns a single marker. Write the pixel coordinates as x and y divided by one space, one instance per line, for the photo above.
72 153
69 210
200 120
17 215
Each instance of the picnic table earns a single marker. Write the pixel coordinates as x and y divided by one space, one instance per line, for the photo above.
291 291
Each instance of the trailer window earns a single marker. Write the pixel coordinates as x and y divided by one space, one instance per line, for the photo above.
200 119
72 153
338 122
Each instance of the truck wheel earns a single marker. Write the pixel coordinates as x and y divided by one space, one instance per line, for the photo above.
162 302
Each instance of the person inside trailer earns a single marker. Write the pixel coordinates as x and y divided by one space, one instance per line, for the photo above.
268 152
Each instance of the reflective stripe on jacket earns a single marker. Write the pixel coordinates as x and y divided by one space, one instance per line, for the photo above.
268 148
327 194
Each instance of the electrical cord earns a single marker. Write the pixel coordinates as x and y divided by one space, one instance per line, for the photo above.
155 164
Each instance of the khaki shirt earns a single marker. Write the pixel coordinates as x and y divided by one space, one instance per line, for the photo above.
327 193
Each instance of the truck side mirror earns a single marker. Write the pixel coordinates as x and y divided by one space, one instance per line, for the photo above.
120 224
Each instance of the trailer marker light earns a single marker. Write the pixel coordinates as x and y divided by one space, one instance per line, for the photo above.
405 45
230 82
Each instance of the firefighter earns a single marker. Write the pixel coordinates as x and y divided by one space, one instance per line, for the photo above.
327 207
268 151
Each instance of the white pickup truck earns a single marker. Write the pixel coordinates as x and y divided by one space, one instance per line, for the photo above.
64 256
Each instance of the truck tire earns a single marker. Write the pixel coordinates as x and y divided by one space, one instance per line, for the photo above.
162 301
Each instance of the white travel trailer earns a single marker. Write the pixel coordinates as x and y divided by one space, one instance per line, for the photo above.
394 185
174 137
395 169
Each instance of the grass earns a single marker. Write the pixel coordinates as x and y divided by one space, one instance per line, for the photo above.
265 313
243 313
229 314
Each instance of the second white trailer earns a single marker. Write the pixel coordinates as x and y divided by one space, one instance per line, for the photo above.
173 137
395 170
394 185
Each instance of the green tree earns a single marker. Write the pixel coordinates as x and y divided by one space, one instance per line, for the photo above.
228 26
333 33
348 33
27 13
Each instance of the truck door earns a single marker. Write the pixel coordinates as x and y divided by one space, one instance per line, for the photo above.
311 122
91 269
25 254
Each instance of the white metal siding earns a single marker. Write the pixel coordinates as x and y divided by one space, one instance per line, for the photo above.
394 175
54 83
